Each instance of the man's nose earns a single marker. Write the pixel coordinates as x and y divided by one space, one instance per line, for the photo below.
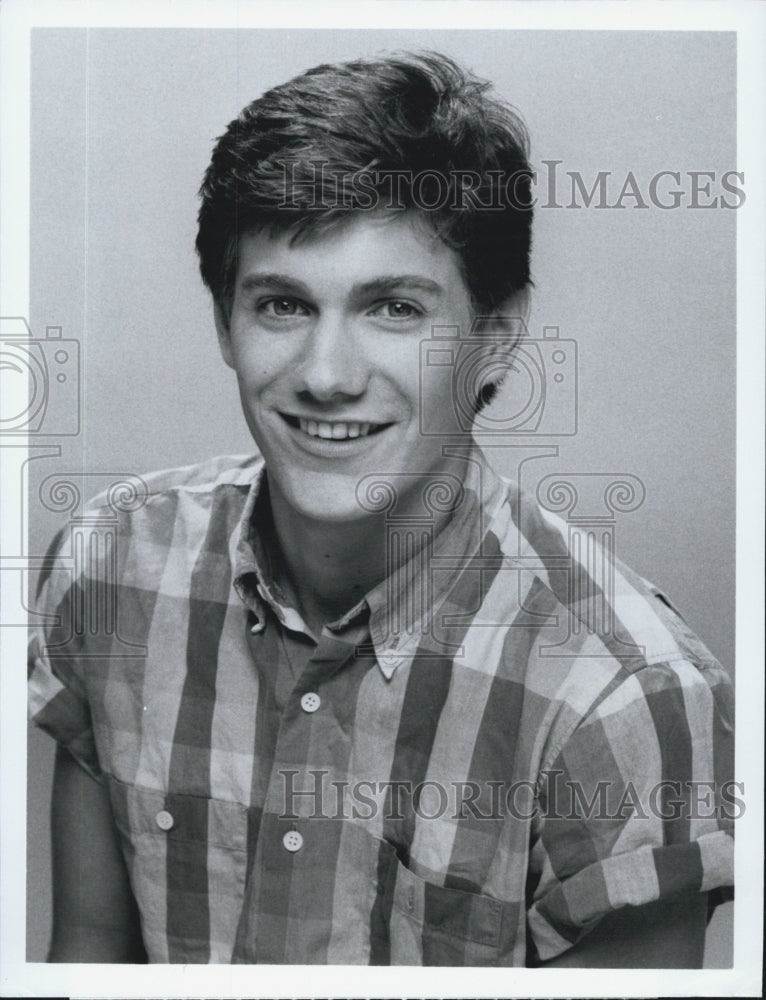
332 362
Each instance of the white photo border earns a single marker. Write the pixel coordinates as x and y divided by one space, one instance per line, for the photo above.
748 20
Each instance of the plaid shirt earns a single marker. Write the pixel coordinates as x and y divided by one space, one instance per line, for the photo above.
488 754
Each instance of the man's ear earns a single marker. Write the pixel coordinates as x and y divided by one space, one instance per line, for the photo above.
224 334
508 324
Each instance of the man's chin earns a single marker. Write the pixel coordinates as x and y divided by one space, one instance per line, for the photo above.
333 502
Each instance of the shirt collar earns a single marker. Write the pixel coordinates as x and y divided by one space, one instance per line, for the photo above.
403 606
253 577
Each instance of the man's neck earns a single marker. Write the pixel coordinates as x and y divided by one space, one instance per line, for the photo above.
326 568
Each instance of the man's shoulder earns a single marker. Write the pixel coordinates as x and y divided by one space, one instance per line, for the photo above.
135 491
586 605
156 516
587 637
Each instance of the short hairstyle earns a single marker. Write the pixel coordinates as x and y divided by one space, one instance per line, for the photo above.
406 132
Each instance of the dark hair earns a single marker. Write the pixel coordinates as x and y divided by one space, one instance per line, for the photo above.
409 132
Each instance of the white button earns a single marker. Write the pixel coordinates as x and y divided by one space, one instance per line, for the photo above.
292 841
164 820
310 702
390 659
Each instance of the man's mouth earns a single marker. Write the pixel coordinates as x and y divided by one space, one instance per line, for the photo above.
335 430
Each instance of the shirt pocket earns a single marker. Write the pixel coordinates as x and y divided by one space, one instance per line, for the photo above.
187 858
432 924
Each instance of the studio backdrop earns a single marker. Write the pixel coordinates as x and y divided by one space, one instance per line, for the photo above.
633 143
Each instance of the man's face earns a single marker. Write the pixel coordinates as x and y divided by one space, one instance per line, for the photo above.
325 340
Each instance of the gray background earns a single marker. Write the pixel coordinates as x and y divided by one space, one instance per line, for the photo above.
122 128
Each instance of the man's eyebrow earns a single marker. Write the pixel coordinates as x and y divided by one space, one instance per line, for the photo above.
384 285
272 280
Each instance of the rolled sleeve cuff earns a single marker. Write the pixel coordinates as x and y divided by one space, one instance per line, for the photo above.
62 714
572 908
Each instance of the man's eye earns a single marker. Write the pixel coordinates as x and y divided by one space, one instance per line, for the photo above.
282 307
396 309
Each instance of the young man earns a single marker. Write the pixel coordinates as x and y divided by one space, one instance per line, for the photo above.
359 702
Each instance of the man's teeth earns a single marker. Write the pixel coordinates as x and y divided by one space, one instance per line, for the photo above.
334 431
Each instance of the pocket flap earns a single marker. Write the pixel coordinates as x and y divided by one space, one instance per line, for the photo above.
448 911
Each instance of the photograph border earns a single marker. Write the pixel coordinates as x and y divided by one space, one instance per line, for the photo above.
748 20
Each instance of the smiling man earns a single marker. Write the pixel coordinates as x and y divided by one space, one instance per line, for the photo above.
325 339
344 738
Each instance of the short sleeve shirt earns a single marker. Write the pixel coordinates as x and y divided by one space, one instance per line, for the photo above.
508 738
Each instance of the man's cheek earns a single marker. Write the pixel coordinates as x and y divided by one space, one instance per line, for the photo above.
436 401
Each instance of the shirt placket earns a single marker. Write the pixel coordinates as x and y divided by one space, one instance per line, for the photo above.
287 909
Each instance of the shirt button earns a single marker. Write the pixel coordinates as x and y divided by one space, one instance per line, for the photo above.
310 702
292 841
164 820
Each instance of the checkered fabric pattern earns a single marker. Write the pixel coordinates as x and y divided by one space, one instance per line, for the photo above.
472 767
